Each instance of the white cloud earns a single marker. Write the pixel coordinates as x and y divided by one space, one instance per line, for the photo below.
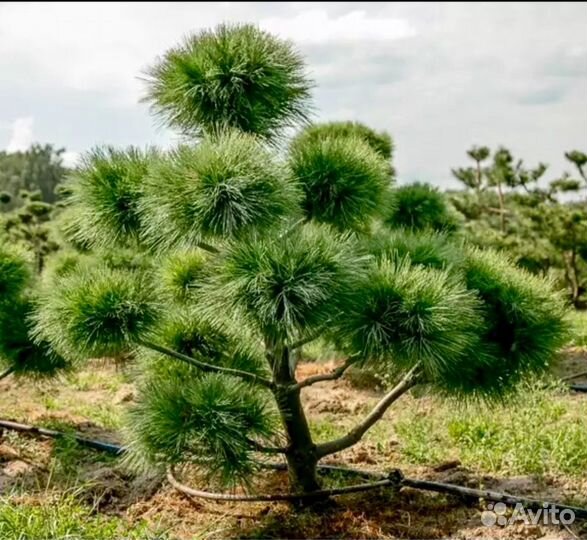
22 134
438 76
317 26
70 158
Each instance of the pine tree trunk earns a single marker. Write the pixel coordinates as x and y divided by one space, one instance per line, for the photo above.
501 206
301 455
571 275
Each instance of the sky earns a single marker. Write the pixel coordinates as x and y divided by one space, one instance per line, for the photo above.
439 77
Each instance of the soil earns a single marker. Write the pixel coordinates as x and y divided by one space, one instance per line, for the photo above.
27 464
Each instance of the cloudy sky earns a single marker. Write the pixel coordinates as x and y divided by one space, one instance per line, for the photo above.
439 77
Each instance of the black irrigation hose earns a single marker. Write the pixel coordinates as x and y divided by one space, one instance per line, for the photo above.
90 443
380 480
319 494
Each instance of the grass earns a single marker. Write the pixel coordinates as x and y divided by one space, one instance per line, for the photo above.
95 380
579 320
543 431
60 516
73 493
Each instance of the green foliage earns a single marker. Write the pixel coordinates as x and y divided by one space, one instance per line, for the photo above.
208 421
579 329
501 438
223 187
38 168
524 325
15 272
233 77
379 141
345 181
285 286
105 190
30 227
542 226
419 207
217 343
578 158
407 315
97 312
62 517
294 250
69 262
18 351
428 248
183 272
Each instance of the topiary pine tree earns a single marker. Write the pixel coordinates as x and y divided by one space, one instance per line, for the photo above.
29 225
418 207
545 230
19 353
255 254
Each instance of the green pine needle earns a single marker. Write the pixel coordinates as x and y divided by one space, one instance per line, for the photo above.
224 187
97 312
286 285
103 197
419 207
236 76
345 181
207 421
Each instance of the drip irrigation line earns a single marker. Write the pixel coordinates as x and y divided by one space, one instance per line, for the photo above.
90 443
394 479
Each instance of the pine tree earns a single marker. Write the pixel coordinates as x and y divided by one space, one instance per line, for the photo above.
543 226
257 248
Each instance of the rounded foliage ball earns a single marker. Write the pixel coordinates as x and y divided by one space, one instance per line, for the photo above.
236 76
407 315
525 326
15 272
208 421
182 273
97 312
104 194
427 248
223 187
18 351
379 141
285 285
211 342
420 206
345 182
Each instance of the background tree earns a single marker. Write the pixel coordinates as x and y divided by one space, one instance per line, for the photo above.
30 226
254 255
420 206
541 225
40 168
19 353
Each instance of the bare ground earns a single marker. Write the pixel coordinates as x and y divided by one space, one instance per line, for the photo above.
31 469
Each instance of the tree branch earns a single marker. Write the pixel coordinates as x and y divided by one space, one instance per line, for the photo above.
333 375
292 228
245 375
354 436
7 372
266 449
208 247
570 377
304 341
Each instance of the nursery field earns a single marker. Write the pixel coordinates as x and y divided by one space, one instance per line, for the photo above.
266 330
57 489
